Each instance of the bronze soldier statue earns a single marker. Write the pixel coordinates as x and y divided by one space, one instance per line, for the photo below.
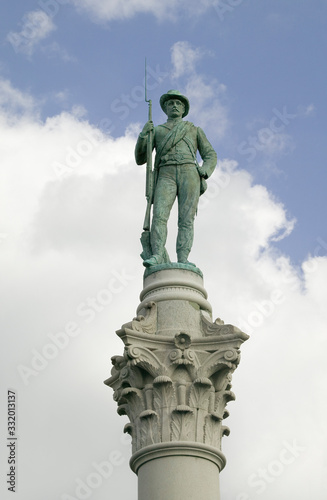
176 173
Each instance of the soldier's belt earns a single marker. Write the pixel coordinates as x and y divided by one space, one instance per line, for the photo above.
177 158
189 164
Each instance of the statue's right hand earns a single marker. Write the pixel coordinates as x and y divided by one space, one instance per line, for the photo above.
148 127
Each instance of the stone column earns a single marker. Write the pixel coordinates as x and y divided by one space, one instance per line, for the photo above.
173 382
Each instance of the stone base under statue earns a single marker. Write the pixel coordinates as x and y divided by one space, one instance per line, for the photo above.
180 300
172 265
173 382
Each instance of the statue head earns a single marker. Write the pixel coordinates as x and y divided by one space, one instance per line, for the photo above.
174 94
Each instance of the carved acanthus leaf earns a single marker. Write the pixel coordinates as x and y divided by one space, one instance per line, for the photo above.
132 401
221 400
225 431
175 388
221 359
149 430
212 431
163 396
182 426
199 396
143 357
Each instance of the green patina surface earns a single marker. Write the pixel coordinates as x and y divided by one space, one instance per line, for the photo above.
172 265
176 174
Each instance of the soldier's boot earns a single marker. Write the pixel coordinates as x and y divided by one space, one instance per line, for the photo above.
182 259
153 261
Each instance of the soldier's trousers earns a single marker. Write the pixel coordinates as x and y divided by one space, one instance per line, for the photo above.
182 181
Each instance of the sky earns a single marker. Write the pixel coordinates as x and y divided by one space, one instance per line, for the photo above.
71 212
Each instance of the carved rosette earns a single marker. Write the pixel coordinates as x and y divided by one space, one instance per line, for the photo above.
175 388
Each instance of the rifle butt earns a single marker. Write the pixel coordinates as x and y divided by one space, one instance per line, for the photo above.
147 218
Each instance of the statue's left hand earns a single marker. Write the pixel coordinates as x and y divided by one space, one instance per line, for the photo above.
202 172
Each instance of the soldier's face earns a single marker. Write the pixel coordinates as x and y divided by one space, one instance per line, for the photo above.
175 108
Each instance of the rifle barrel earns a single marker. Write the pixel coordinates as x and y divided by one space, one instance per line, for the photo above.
149 171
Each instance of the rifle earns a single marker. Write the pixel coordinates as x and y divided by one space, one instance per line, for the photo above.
149 171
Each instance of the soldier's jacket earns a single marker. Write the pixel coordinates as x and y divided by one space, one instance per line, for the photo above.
177 144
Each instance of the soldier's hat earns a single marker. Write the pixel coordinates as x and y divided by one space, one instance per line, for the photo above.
175 94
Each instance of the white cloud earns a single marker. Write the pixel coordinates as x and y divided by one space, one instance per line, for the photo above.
64 145
107 10
184 58
277 144
61 97
207 105
272 140
206 95
12 99
306 110
37 26
67 235
55 50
